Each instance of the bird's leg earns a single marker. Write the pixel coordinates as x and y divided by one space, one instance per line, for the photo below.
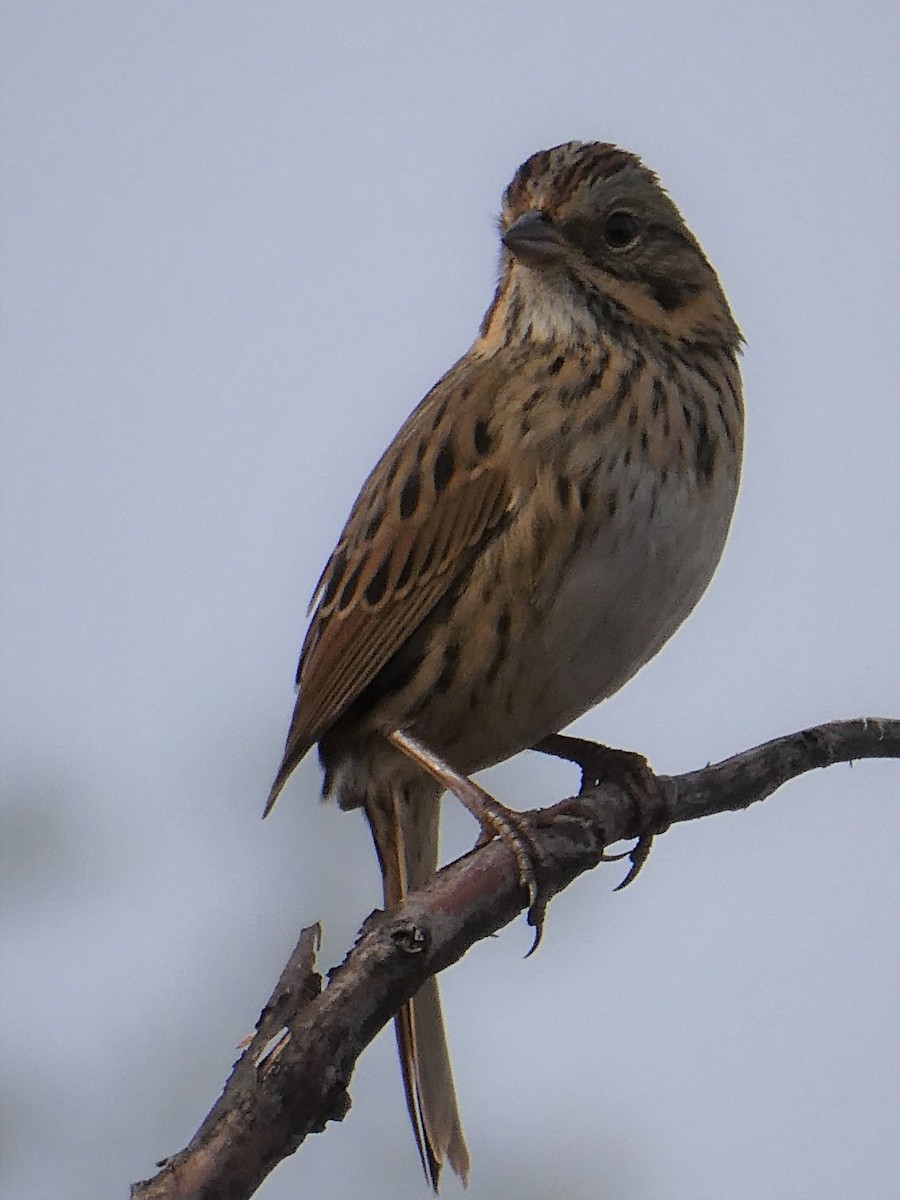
495 819
603 764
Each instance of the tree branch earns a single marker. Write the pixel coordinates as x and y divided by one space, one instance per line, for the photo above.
292 1078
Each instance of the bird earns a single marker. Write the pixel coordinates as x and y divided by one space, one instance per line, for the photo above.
538 528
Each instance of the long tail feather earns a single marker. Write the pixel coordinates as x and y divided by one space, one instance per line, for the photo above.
405 829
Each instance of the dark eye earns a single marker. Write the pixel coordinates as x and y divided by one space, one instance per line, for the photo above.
620 230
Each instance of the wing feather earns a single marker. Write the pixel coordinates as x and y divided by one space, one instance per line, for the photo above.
427 510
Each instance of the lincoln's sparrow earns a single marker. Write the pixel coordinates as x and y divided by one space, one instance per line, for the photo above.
541 524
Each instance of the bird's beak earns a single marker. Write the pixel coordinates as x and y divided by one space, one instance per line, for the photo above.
534 238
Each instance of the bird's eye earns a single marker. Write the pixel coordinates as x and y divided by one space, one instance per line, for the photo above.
620 230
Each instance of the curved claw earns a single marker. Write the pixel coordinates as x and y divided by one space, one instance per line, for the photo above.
536 918
638 856
510 827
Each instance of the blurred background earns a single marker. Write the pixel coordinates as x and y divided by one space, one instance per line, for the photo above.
240 241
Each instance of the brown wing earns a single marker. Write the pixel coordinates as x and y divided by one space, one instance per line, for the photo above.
435 497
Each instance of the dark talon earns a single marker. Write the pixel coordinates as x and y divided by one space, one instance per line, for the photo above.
638 856
632 773
511 828
536 918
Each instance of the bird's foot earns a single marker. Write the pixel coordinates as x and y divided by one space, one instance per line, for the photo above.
511 827
495 819
604 764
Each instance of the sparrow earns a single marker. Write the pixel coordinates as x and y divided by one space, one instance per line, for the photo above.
539 527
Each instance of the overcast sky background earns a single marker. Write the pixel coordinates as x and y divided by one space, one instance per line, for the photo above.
240 241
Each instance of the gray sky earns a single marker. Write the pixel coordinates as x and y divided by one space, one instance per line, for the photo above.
240 241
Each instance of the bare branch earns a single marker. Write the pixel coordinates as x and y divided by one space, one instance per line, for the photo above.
293 1076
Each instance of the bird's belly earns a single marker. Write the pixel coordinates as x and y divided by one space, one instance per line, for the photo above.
618 603
614 603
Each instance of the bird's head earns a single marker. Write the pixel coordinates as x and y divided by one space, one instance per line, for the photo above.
592 240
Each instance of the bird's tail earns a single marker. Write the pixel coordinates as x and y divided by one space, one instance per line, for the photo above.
405 829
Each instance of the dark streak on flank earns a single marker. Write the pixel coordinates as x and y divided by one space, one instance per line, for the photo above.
481 436
449 666
392 473
501 645
541 537
726 425
660 398
563 490
443 466
439 414
624 386
732 391
704 452
409 496
592 381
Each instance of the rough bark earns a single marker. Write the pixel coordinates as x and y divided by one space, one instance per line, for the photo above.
292 1078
